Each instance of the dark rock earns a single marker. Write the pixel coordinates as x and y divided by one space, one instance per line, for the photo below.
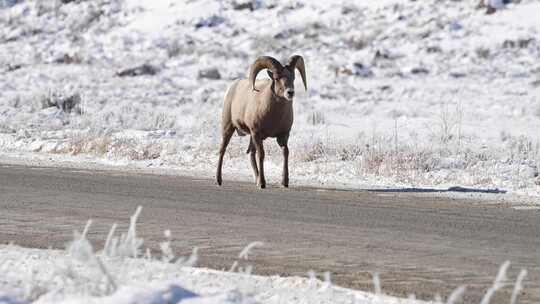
145 69
250 5
381 55
291 6
425 34
386 55
69 1
211 73
457 75
68 59
210 22
361 70
287 33
348 9
419 70
433 49
14 67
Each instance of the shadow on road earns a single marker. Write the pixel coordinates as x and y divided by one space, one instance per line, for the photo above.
431 190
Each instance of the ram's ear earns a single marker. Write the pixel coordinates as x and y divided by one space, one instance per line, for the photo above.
270 74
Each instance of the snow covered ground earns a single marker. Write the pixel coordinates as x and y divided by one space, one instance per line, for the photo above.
400 93
124 273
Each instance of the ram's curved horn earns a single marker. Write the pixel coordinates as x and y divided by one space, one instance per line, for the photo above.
264 62
297 62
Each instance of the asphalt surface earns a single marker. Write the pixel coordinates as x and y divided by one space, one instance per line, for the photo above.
417 243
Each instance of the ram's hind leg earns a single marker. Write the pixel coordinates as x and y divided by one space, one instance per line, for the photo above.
226 138
258 142
252 150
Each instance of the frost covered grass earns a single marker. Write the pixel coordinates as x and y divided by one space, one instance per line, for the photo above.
402 94
124 272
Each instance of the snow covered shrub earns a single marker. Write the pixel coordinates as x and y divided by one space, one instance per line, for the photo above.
162 120
132 149
311 152
357 42
403 162
482 53
522 148
316 118
180 46
91 142
66 103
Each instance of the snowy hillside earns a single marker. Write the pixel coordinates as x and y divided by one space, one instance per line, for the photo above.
400 93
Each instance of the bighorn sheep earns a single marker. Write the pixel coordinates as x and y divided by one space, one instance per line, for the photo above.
261 109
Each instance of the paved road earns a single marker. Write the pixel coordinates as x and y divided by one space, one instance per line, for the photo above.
418 244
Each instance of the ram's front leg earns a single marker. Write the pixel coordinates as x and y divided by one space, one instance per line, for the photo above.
282 142
258 141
